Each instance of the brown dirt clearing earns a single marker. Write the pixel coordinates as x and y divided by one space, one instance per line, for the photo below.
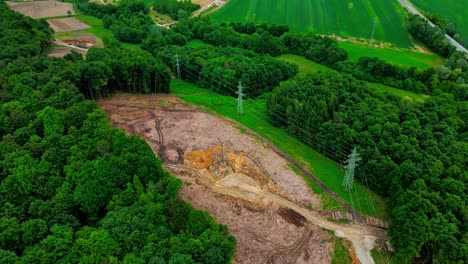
40 9
66 24
244 184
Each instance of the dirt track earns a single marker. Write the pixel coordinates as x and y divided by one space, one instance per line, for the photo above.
243 183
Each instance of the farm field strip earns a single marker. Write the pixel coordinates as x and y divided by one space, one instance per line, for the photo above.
307 66
343 18
402 57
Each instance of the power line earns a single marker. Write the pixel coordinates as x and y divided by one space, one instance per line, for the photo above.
329 150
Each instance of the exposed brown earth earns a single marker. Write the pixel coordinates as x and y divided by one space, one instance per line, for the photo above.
239 180
41 9
66 24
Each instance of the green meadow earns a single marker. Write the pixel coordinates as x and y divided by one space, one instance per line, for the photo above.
402 57
351 18
455 11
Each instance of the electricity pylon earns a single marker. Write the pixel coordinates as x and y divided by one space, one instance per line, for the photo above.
240 101
351 164
178 67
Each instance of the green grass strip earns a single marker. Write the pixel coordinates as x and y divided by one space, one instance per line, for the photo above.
309 67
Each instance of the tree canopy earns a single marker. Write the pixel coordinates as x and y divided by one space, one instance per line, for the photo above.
73 189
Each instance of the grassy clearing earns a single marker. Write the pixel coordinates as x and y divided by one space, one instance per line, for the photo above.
160 18
308 67
98 29
340 253
380 256
196 43
343 18
328 203
401 57
419 98
327 171
455 11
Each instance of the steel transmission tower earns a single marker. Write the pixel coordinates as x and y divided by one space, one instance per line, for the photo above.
240 101
351 164
178 66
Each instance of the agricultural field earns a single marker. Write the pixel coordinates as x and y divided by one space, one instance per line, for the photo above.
343 18
455 11
66 24
41 9
402 57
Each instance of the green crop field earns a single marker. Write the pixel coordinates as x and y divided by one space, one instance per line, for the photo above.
455 11
307 66
403 57
254 118
350 18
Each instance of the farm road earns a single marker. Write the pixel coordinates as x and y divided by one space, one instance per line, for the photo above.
413 10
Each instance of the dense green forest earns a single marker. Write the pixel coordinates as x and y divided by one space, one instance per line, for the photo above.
415 154
72 188
175 9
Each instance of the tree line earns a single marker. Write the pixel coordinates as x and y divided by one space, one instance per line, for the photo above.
433 37
73 189
220 69
175 9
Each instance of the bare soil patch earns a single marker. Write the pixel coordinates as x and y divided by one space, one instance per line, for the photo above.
41 9
66 24
237 178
